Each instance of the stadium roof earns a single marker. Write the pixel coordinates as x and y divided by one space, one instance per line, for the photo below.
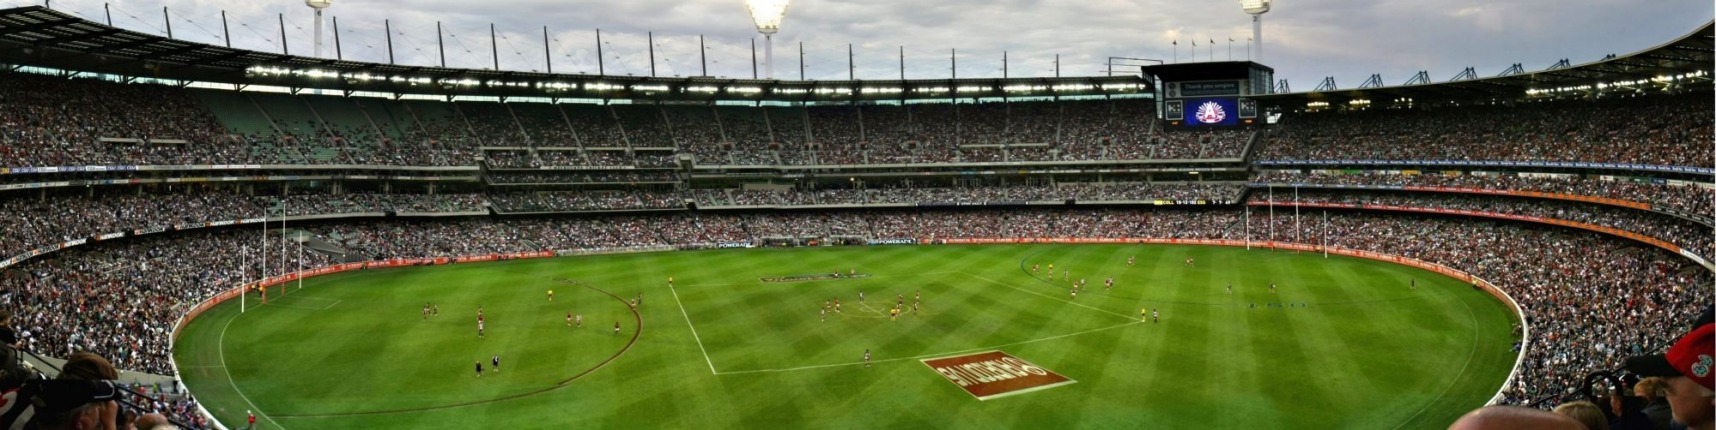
1684 63
42 37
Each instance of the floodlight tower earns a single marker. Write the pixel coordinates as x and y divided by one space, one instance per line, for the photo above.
1256 8
767 15
318 5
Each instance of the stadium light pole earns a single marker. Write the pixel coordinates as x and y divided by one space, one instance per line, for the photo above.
1256 8
767 15
318 5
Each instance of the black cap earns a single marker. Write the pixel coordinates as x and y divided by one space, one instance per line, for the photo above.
58 395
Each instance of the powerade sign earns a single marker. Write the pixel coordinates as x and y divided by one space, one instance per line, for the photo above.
1211 112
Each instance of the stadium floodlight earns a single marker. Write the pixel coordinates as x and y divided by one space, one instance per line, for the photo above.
767 14
318 5
1256 8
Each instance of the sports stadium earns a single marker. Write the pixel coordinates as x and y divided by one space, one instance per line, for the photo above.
211 237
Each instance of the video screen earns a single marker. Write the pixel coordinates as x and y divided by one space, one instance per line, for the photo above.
1211 112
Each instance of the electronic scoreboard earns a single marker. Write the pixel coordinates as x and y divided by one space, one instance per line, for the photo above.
1213 94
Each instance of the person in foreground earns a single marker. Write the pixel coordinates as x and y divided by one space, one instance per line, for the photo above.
1514 418
1687 370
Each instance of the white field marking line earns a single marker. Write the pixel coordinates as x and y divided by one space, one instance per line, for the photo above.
1456 380
330 302
760 281
879 314
1128 318
1069 381
855 315
202 367
220 345
924 356
694 335
307 308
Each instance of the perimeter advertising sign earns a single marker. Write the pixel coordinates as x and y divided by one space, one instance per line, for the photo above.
993 374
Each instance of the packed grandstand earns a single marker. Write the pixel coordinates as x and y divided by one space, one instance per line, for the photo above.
158 191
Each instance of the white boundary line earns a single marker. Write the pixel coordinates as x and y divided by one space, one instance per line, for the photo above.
221 346
924 356
694 335
1128 318
1456 381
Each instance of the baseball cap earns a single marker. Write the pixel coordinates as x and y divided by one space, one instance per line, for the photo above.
1691 356
55 396
67 394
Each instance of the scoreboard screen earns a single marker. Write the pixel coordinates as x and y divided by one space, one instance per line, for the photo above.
1212 112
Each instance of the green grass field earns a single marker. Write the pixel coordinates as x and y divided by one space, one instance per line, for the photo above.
720 349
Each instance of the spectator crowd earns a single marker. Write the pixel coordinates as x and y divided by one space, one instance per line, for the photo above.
1671 130
1688 199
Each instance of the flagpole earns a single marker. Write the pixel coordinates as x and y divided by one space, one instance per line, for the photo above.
1176 51
1248 228
1325 233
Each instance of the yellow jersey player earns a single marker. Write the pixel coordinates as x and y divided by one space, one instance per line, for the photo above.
550 295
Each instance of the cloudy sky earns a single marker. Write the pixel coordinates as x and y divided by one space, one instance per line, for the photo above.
1305 40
